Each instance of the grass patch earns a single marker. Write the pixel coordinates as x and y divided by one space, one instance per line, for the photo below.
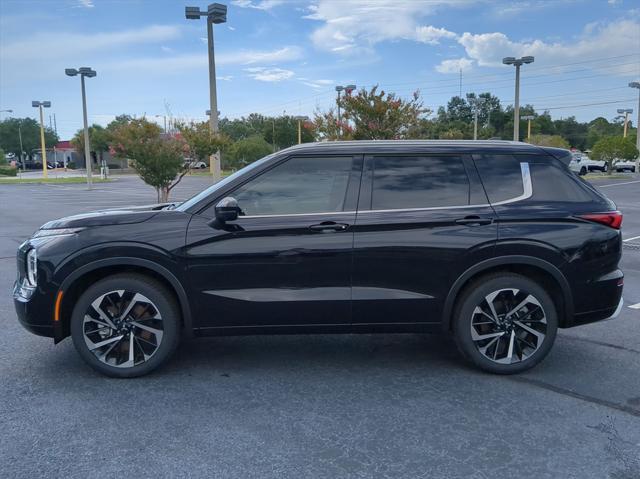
613 176
75 179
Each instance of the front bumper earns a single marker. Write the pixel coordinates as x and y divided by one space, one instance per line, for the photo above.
33 310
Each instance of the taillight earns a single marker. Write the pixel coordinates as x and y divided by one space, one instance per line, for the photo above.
612 219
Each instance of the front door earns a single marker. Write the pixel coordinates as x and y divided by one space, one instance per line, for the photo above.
286 261
422 221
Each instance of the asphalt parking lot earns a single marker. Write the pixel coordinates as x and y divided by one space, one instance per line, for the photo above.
314 406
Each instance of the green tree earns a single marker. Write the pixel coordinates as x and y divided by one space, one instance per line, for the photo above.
158 159
3 158
373 115
12 128
549 140
99 140
613 148
200 142
247 150
285 128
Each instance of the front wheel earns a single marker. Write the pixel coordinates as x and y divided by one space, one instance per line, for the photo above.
125 325
505 324
583 171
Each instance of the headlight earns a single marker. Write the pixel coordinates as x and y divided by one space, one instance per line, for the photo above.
32 267
56 232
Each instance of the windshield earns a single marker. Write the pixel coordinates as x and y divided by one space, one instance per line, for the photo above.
184 206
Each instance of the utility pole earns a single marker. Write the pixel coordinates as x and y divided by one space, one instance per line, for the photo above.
40 105
517 62
21 147
528 118
636 84
625 112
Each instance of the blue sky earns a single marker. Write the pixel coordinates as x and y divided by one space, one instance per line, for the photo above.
278 56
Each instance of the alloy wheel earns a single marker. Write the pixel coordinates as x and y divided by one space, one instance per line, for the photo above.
122 328
508 326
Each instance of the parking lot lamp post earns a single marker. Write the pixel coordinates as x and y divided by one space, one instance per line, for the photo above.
625 112
300 119
216 13
517 62
339 89
635 84
528 118
40 105
84 72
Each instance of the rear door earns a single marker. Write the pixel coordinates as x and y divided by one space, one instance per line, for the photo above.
422 220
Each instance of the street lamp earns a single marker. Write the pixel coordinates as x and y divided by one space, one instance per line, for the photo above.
635 84
216 13
528 119
84 72
300 120
40 105
475 103
347 91
626 112
517 62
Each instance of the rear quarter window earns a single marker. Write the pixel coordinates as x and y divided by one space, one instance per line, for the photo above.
552 183
501 176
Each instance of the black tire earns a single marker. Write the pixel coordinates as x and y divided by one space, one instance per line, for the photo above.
605 168
160 302
583 171
475 296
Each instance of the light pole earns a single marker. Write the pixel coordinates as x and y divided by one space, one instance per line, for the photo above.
84 72
40 105
216 13
528 118
300 120
626 112
347 91
475 103
635 84
165 121
517 62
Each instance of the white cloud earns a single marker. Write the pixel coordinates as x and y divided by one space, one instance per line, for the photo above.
433 35
316 84
248 57
454 65
72 45
269 74
224 77
84 4
351 26
259 5
598 41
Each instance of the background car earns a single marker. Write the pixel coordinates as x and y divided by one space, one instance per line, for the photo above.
582 164
624 165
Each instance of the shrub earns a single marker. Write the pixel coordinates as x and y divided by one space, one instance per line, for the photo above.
8 171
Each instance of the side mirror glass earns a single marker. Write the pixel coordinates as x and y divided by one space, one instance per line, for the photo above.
227 209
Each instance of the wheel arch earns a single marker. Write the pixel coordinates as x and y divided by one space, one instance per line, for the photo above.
78 281
549 275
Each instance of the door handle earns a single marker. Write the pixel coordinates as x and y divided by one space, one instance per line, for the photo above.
473 220
328 227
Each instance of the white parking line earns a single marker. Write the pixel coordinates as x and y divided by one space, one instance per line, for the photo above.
618 184
631 239
635 306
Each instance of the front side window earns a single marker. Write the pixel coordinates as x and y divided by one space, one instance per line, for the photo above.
297 186
405 182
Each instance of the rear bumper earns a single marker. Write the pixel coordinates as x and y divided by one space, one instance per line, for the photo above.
604 297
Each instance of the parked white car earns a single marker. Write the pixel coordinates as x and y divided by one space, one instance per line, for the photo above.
197 165
624 165
582 164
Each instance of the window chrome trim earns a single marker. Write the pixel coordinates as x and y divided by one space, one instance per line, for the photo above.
527 187
527 193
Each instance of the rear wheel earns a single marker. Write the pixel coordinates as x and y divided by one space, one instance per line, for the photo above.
125 325
583 171
505 323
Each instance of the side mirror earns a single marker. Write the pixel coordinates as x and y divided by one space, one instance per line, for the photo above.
227 209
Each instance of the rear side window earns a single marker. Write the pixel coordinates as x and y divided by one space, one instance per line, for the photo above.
501 176
419 182
551 183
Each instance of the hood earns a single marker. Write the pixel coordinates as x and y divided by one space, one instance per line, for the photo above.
120 216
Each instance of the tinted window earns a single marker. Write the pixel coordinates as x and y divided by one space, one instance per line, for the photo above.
299 185
501 176
419 182
551 183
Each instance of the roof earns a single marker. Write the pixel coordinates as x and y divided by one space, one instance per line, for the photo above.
436 146
65 145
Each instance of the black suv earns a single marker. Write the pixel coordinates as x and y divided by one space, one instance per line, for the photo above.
498 243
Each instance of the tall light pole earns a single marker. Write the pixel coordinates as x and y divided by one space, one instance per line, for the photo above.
216 13
528 118
635 84
300 119
40 105
347 91
626 112
517 62
84 72
476 103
